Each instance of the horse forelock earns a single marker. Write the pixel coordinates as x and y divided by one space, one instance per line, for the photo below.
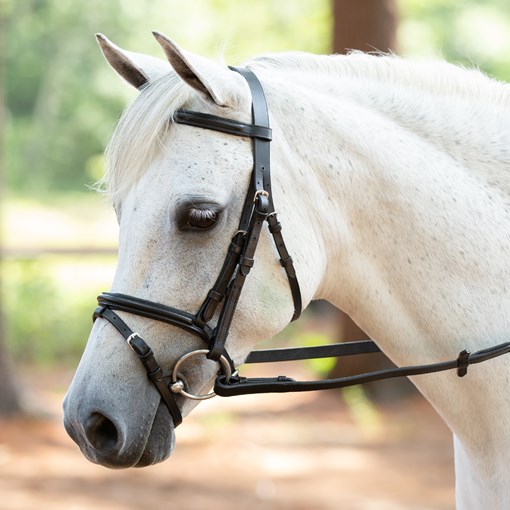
139 134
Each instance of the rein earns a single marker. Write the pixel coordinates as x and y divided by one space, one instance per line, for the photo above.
221 301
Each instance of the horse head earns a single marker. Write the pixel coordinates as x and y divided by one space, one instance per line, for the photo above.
178 192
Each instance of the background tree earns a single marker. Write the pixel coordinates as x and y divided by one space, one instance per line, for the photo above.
366 25
10 403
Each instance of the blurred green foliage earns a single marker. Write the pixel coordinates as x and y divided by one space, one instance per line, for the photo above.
474 33
47 321
62 99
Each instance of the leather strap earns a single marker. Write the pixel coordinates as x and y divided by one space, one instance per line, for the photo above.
217 293
146 356
246 260
222 124
318 351
282 384
262 156
275 227
155 311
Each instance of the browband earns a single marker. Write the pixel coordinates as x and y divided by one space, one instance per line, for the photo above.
222 124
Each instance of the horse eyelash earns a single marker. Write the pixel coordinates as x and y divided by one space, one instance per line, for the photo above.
201 215
201 219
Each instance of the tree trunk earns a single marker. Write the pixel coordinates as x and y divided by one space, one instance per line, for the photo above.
366 25
9 393
10 403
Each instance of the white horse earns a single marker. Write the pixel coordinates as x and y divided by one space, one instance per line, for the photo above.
392 182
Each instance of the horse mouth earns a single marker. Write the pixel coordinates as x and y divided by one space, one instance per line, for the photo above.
105 441
160 441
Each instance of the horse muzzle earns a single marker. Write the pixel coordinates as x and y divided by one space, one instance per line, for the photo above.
112 443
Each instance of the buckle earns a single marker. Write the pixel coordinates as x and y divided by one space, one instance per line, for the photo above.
130 339
138 344
259 192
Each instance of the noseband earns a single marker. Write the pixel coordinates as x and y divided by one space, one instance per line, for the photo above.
221 301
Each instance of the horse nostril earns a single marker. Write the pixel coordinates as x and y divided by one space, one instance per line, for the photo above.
101 432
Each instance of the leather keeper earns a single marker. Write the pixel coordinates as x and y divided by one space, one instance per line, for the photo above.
277 227
150 363
261 205
215 296
235 248
245 265
246 262
98 312
463 363
286 262
157 375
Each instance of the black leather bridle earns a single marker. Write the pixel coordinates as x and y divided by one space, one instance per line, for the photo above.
222 299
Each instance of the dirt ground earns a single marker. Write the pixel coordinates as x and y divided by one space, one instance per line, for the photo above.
300 452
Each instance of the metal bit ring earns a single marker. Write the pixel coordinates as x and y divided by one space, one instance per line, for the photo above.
177 385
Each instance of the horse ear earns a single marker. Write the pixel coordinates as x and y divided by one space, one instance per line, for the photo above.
137 69
214 81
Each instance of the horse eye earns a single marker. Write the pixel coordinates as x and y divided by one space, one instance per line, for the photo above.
201 219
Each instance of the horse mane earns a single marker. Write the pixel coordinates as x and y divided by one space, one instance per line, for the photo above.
140 132
142 128
434 76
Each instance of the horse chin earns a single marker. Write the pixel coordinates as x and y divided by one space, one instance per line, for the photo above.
161 440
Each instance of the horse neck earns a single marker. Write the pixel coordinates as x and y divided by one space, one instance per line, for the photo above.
410 208
406 203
